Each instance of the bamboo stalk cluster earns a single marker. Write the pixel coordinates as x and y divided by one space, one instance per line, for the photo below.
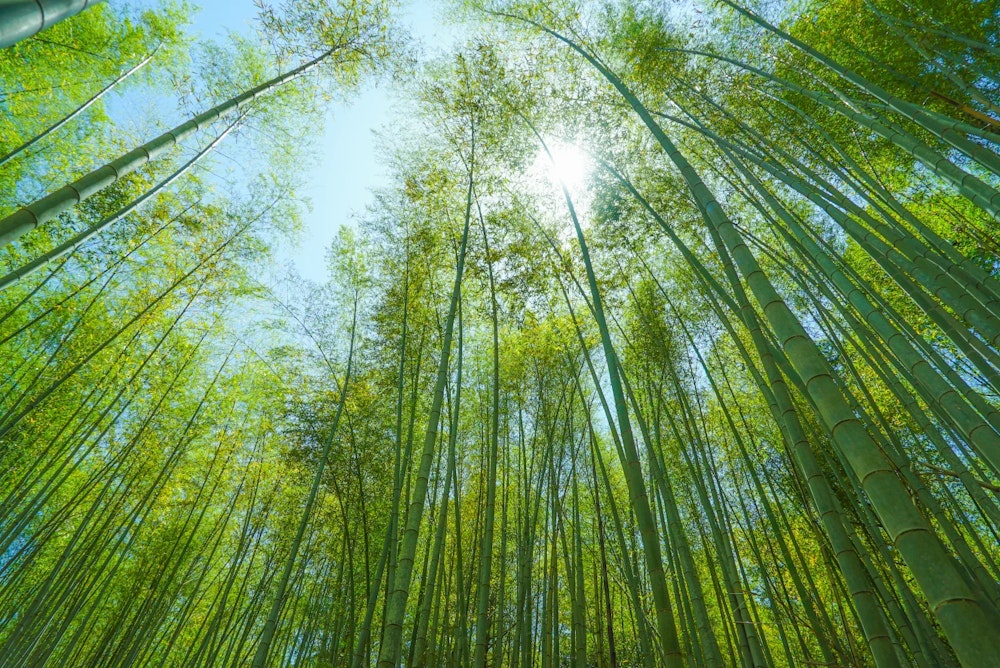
738 409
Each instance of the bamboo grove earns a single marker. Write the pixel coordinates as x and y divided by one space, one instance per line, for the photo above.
671 339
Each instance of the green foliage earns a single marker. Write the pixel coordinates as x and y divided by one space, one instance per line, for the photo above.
763 355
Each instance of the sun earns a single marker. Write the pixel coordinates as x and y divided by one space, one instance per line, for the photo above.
570 166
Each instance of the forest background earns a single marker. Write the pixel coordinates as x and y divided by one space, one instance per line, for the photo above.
664 333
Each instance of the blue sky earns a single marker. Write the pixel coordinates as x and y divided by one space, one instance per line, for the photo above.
340 182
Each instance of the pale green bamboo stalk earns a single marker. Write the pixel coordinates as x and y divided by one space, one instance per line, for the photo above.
956 607
389 651
980 432
692 448
970 277
976 190
74 242
878 250
12 417
628 568
709 645
486 554
271 623
13 153
400 462
428 596
605 584
961 291
419 649
580 601
672 654
769 513
45 209
943 130
20 19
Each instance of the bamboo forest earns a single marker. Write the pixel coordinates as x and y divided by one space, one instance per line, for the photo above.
669 337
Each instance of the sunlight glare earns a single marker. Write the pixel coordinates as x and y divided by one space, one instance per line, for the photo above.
570 165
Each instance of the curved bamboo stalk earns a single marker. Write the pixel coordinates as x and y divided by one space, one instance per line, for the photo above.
20 19
45 209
